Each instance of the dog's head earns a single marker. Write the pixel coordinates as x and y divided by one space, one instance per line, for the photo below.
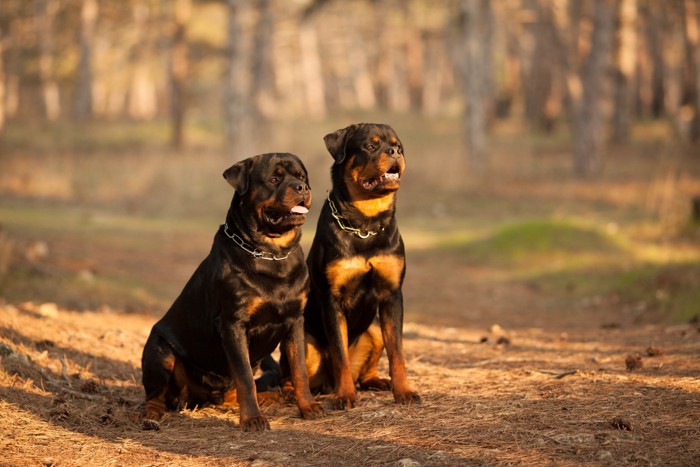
370 159
273 189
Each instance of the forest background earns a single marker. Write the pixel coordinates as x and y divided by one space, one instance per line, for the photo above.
550 209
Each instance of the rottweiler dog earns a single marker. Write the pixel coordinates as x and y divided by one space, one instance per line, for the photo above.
357 266
246 297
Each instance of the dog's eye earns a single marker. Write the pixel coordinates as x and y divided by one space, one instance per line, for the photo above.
274 180
302 178
371 147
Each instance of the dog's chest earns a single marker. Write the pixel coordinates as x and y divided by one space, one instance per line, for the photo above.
346 274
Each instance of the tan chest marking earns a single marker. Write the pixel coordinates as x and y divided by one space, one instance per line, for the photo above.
283 240
254 305
375 206
340 272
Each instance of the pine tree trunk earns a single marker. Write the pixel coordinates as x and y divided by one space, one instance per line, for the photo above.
237 121
178 72
142 101
589 121
46 14
624 73
691 94
473 16
312 69
83 92
2 82
263 82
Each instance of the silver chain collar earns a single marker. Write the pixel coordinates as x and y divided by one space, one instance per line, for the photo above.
254 252
348 228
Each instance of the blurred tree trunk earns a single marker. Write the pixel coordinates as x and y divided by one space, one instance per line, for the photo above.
312 69
178 71
392 81
3 40
691 80
363 85
434 66
541 95
83 91
586 88
46 13
142 101
657 99
263 82
624 73
237 121
474 16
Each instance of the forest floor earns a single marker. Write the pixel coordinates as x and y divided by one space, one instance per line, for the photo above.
548 320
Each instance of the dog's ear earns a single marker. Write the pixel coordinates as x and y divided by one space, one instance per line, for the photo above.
337 141
237 175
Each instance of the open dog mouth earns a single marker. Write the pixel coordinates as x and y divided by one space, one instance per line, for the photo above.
275 216
391 175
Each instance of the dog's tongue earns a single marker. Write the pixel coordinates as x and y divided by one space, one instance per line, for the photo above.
299 210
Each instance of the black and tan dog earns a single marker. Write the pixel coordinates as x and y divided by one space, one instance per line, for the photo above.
245 298
357 267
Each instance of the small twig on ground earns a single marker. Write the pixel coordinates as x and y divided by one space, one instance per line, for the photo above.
558 375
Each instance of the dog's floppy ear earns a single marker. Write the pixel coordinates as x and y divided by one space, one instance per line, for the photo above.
337 141
237 175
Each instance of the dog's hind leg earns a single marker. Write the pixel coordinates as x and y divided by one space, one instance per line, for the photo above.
158 364
364 358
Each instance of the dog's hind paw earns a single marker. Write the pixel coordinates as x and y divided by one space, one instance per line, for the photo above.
150 425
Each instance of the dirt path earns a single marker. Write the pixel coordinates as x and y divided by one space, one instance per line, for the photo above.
70 395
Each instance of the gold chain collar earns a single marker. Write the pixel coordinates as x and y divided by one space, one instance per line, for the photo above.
342 222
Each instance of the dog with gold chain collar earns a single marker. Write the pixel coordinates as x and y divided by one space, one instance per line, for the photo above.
357 266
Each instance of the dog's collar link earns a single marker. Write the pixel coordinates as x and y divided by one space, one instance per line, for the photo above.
348 228
254 252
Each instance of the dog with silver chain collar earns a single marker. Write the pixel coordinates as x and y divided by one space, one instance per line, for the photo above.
244 299
357 266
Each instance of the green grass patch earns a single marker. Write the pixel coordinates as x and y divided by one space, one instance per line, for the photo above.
539 243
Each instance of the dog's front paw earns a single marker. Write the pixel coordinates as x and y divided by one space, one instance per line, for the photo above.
407 398
376 384
150 425
344 401
254 423
311 411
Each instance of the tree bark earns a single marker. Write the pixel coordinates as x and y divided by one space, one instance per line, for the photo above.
691 95
83 93
178 72
589 121
587 89
237 120
263 82
50 98
142 101
473 14
624 73
312 69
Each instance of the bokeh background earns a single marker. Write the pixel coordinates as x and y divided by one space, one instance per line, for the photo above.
552 146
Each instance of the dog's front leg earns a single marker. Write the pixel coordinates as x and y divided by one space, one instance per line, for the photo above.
294 348
236 348
337 331
391 319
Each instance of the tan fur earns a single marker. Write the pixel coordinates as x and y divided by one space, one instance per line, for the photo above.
389 267
374 206
341 271
283 240
254 305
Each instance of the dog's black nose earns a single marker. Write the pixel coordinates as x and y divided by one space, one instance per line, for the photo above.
393 151
301 187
